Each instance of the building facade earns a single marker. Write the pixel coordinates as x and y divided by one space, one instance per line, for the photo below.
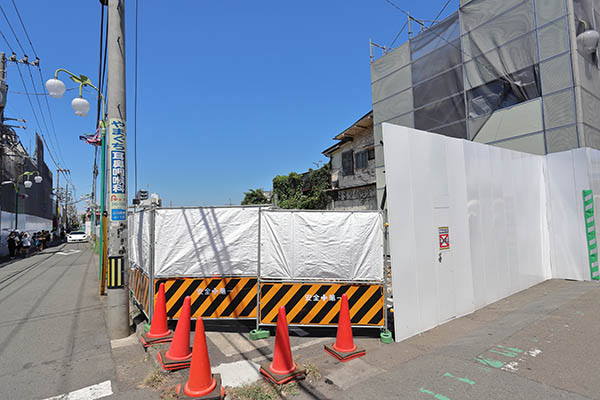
352 161
519 74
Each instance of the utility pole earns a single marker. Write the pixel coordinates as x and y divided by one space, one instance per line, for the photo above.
3 86
66 209
116 162
58 171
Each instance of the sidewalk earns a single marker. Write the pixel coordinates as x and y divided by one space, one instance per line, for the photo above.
541 343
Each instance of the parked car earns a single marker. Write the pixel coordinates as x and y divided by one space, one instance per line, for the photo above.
77 236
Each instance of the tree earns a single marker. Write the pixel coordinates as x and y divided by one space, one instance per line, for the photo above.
303 191
255 196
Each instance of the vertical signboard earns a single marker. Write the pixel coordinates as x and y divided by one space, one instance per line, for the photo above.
444 237
117 150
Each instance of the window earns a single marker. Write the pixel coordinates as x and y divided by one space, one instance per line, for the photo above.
361 159
371 154
504 92
348 162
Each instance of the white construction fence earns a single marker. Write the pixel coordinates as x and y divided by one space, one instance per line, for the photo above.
229 259
471 223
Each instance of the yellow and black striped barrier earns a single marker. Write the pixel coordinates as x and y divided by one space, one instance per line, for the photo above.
212 298
318 303
115 273
138 284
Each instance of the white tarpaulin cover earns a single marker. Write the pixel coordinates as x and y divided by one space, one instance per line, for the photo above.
139 236
206 242
311 245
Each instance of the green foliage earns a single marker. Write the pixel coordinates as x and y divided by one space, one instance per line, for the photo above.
303 191
255 197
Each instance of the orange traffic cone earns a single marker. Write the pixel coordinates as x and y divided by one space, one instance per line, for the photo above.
283 368
202 384
159 331
344 348
179 354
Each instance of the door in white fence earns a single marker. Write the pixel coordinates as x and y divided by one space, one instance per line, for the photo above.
443 264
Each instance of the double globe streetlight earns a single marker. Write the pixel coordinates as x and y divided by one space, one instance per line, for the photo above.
36 178
56 88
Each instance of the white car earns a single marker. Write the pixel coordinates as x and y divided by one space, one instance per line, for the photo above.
75 237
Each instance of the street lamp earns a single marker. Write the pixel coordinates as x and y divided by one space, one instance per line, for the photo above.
27 183
56 88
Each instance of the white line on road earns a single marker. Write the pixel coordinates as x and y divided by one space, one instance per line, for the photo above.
68 252
93 392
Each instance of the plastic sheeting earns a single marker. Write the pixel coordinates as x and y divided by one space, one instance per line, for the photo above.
206 242
514 220
139 239
304 245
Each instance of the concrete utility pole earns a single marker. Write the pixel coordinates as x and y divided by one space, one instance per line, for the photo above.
3 86
118 299
66 205
58 171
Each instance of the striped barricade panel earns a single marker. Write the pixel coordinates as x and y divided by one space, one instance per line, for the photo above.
319 303
138 284
212 298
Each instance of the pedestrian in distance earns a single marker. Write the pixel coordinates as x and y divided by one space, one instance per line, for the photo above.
19 243
26 244
12 244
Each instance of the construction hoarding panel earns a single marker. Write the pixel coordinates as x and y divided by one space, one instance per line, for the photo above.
212 298
321 246
138 285
207 241
319 303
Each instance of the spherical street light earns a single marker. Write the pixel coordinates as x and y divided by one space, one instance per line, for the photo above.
38 179
81 106
27 184
56 87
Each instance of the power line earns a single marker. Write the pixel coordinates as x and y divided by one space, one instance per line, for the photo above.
56 141
436 17
398 35
135 101
25 30
12 30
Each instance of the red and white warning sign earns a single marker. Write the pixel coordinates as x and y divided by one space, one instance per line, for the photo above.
444 234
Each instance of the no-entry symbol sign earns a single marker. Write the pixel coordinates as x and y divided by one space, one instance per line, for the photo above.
444 236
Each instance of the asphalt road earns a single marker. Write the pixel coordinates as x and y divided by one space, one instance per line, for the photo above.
52 330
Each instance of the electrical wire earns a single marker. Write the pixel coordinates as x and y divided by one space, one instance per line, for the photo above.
57 148
437 16
56 142
13 31
398 35
23 25
135 101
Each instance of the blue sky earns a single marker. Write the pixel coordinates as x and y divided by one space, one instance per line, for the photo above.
230 93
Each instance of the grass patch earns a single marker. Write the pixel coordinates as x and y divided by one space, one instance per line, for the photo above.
263 390
155 380
312 372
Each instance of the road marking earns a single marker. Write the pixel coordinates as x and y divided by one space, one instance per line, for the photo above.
238 373
68 252
93 392
231 343
436 396
464 380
